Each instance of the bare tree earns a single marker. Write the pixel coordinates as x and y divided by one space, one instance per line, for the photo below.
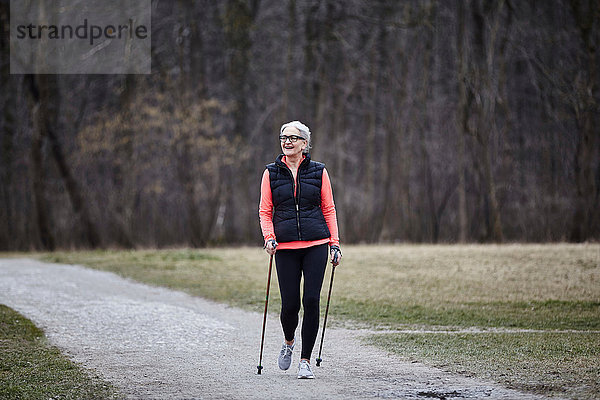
586 107
410 103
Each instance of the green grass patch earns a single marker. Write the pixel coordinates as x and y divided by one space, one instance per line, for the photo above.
552 315
32 369
550 363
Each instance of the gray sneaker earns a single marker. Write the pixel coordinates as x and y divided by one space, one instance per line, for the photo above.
285 356
304 371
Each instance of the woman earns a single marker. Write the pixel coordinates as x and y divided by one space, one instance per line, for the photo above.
298 222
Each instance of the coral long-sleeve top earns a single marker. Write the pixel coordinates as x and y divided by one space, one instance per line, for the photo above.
265 212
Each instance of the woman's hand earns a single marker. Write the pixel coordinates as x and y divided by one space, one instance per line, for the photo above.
336 255
270 246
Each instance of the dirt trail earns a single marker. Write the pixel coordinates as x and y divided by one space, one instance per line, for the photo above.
158 343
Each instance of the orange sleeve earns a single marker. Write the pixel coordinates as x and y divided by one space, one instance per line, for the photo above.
328 208
265 207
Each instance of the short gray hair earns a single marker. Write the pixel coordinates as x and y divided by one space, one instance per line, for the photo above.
304 132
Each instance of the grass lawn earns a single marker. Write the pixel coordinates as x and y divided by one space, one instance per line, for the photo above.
553 289
31 369
549 363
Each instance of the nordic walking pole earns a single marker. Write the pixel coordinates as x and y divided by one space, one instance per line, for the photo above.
262 340
325 320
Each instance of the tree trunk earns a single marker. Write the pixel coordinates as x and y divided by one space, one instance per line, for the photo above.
463 121
422 126
586 157
90 233
41 123
495 226
284 113
7 133
377 184
487 19
312 84
238 22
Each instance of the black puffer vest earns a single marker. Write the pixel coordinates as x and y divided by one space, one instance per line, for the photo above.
297 217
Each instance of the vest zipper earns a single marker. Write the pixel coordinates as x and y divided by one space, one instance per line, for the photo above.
296 196
298 222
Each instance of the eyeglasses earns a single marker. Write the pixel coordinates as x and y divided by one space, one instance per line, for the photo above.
292 139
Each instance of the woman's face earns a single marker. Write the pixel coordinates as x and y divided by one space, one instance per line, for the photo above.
290 148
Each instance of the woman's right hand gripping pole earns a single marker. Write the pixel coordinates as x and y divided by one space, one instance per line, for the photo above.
270 246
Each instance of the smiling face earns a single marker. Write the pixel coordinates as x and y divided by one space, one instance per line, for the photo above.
289 148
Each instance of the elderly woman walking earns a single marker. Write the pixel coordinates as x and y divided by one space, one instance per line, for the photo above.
299 224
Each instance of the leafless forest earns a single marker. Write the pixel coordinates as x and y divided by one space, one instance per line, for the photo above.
439 121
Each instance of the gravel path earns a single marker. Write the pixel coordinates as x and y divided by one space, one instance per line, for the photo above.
158 343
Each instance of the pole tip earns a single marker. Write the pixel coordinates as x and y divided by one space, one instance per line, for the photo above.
259 369
319 362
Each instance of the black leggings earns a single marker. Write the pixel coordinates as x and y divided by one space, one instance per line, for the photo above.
291 265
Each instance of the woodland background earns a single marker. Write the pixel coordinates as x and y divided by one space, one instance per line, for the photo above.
439 121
